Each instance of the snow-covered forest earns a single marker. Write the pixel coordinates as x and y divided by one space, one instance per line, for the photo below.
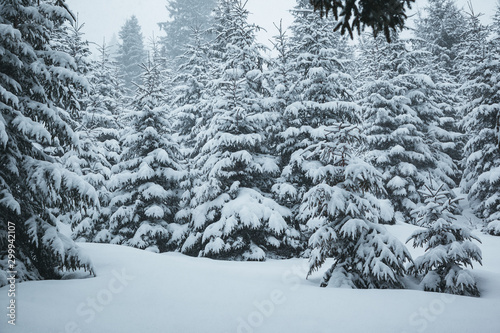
371 163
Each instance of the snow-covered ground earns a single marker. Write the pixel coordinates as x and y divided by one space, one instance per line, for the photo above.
139 291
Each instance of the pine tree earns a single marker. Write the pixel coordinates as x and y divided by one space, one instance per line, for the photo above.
185 15
84 159
281 75
473 46
496 25
191 83
231 213
191 109
166 68
94 121
145 182
99 132
448 246
280 79
105 101
320 57
69 38
404 117
75 44
342 211
440 31
34 81
481 122
318 93
442 28
131 52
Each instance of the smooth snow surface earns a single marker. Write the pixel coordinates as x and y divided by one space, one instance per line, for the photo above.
139 292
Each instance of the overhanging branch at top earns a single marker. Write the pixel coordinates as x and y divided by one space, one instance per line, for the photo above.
380 15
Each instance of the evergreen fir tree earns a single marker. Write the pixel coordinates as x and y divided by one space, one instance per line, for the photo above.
319 94
442 27
99 132
105 103
69 38
34 80
84 158
448 246
343 213
280 78
231 213
185 15
75 44
191 82
165 66
281 75
320 57
192 110
131 52
496 26
440 31
405 122
145 182
473 46
481 122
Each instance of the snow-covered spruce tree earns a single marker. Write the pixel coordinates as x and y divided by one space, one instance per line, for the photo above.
95 124
473 47
481 178
146 180
131 53
69 38
105 102
191 108
432 92
319 57
34 80
280 77
83 158
448 246
318 81
73 42
440 30
342 211
190 84
167 70
438 104
184 15
496 26
231 213
403 117
99 131
441 26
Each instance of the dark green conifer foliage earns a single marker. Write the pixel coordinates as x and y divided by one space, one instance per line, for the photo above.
34 81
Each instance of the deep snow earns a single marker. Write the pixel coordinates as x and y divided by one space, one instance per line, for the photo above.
140 291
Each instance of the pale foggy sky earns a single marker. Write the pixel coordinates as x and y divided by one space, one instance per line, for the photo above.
103 18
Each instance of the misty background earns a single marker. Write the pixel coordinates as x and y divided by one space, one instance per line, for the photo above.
103 19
